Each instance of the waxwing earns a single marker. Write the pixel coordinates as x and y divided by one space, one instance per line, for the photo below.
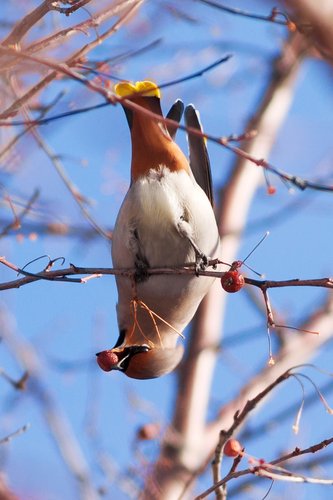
166 220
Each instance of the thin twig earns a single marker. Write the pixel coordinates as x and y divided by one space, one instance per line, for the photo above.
60 428
265 469
16 106
14 434
16 223
225 142
21 28
276 16
188 269
45 110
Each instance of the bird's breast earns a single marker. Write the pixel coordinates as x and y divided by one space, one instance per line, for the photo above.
159 204
153 208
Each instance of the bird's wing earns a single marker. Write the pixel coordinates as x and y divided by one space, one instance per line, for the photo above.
199 159
175 113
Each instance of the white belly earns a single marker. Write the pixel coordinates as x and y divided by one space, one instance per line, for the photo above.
154 206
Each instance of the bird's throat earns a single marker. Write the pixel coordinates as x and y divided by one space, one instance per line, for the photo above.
153 147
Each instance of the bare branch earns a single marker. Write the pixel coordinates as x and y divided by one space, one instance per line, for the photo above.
16 223
57 422
225 142
22 28
180 462
14 434
15 107
319 20
190 268
266 469
297 350
276 16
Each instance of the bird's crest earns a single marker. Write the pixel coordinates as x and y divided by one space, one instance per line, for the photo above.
145 88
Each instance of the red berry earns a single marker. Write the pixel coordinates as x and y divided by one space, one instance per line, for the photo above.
232 281
271 190
148 432
232 448
107 360
291 26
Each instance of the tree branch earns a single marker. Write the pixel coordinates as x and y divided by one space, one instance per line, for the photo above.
179 462
60 428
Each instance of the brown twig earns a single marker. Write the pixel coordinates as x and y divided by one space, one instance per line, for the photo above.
296 351
19 384
62 274
225 142
14 434
194 449
319 21
28 127
266 469
15 107
31 19
57 164
221 491
238 418
276 16
57 422
57 229
63 35
16 223
76 195
282 415
21 29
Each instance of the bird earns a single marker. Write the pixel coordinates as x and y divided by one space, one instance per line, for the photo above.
166 220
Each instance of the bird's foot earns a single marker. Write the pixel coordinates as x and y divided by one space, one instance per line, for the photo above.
141 270
201 262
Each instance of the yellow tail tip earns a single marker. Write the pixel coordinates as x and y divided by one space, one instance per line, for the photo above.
145 88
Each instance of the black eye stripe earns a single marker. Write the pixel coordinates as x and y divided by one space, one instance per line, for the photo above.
129 353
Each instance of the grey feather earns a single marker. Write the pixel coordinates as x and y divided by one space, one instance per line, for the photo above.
175 113
199 159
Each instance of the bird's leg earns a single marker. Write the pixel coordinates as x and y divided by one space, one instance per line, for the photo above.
141 269
201 260
141 263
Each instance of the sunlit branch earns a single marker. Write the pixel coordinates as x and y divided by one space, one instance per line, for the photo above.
127 8
111 98
276 16
14 434
188 269
16 223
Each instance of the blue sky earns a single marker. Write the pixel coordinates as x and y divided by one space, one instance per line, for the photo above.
67 324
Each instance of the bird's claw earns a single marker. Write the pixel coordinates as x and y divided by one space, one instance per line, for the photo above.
141 271
201 263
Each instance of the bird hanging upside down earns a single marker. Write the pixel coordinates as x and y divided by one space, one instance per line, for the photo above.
166 220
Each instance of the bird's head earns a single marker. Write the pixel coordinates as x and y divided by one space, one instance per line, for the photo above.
141 361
